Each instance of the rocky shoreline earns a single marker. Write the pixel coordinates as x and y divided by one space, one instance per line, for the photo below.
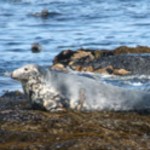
21 127
24 128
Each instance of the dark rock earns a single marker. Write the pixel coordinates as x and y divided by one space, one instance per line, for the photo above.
68 57
124 60
13 100
63 57
135 64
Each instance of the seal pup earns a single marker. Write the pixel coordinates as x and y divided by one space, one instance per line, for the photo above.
57 91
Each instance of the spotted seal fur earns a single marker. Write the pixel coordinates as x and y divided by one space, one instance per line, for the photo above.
57 91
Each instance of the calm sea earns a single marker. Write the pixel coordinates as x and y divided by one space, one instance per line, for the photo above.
71 25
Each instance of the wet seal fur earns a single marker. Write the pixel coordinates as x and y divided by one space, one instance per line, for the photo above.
57 91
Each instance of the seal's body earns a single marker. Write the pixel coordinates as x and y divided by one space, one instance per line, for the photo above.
56 91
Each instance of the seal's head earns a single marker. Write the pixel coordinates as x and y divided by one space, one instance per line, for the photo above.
39 91
24 73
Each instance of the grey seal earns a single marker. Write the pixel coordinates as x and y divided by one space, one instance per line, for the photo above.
58 91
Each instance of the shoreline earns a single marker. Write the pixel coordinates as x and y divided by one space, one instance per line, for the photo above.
25 128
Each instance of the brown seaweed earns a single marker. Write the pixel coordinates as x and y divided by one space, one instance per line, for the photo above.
24 128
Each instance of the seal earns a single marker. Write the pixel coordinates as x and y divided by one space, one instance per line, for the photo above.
58 91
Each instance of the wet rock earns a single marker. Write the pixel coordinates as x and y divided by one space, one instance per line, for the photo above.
59 67
63 57
82 54
105 70
111 70
69 57
127 50
13 100
123 60
88 69
121 72
102 53
138 65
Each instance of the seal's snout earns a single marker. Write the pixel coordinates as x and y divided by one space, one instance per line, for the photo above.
13 76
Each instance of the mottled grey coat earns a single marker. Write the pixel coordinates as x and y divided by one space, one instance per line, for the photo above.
56 91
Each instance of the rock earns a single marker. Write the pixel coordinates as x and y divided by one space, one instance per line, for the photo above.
82 54
121 72
88 69
102 53
85 69
69 57
25 128
77 68
127 50
58 67
111 70
124 60
105 70
63 57
135 65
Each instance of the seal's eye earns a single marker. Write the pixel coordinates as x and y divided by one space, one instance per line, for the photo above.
26 69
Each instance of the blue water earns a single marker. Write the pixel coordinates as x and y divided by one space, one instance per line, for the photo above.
79 23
